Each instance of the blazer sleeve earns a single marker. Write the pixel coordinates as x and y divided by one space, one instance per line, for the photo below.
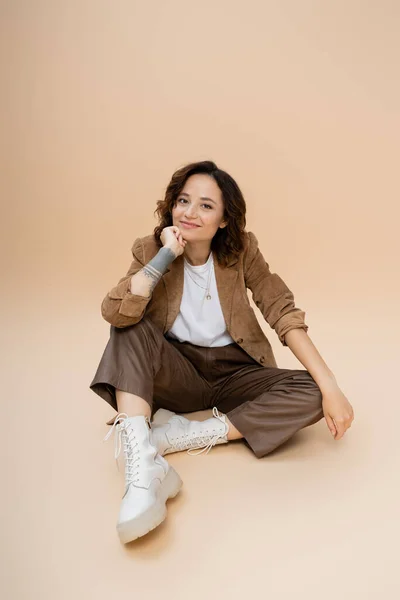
120 307
270 293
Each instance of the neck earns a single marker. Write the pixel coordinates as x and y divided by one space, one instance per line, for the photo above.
197 254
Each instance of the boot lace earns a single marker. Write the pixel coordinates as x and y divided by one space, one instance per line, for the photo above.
204 441
131 451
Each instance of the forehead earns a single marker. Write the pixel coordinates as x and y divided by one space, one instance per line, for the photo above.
202 185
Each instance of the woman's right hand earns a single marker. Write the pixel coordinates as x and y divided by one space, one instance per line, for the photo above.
171 237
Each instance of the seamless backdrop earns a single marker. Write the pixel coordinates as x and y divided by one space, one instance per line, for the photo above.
101 102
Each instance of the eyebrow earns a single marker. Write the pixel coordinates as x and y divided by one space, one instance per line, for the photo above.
201 198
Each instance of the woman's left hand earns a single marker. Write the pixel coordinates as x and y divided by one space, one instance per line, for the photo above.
338 411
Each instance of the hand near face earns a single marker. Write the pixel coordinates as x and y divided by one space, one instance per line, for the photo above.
171 237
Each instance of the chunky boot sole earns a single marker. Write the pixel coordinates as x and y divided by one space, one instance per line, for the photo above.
135 528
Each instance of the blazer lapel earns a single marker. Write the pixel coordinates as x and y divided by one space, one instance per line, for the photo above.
173 281
225 277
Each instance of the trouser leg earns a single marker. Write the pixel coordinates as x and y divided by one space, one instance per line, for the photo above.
269 405
140 360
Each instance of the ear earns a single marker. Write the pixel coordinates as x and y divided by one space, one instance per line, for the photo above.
223 224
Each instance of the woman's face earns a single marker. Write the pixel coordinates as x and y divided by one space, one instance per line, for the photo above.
199 204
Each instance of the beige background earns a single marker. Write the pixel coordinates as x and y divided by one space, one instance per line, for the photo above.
102 101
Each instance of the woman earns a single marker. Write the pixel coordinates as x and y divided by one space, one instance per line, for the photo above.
184 338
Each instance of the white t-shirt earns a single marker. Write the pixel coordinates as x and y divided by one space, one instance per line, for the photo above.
200 321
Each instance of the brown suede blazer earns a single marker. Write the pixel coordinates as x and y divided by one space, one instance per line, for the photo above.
250 270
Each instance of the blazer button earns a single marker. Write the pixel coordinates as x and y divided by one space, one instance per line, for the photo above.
239 340
262 359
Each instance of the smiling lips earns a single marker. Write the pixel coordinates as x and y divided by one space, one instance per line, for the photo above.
189 225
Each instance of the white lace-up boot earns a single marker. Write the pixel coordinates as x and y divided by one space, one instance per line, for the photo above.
149 479
173 433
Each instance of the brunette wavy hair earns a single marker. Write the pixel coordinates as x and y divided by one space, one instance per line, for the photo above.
228 242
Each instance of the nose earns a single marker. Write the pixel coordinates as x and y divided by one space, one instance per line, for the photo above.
190 212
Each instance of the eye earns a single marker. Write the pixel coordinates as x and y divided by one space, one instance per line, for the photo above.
180 200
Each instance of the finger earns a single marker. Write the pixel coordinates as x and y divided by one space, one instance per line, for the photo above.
331 425
341 428
349 423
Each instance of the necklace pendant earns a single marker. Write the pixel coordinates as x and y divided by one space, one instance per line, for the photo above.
208 297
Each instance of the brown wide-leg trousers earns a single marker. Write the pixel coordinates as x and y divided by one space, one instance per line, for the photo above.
267 405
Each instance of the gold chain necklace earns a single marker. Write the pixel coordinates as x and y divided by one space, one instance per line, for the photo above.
208 295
